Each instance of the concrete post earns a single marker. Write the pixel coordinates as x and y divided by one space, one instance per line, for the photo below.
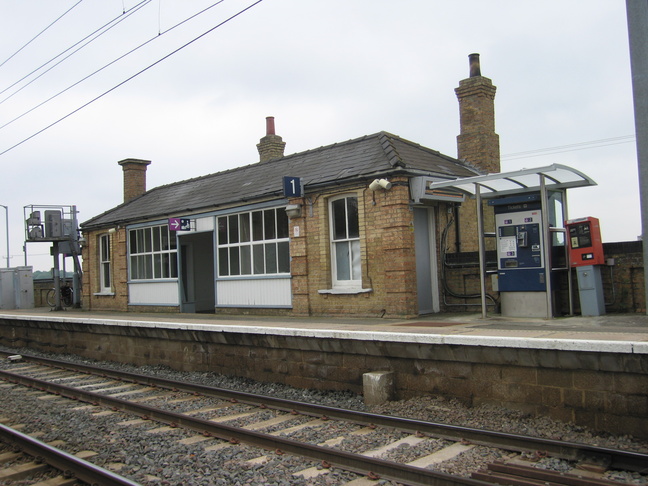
378 387
637 12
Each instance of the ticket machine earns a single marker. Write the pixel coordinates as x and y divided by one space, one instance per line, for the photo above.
521 267
519 244
586 255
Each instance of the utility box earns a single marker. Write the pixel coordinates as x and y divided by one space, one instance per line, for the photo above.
16 288
7 289
590 290
53 224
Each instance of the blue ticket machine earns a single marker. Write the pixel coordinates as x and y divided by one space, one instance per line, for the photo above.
521 269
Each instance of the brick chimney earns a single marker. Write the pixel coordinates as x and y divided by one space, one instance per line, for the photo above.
134 177
271 146
477 142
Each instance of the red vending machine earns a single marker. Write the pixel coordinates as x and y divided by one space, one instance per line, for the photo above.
586 255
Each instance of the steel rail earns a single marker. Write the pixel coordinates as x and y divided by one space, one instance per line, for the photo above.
625 460
61 460
517 475
357 463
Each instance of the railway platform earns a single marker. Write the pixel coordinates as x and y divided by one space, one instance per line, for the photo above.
591 371
611 332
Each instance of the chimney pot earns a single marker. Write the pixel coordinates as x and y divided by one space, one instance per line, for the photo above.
270 126
475 68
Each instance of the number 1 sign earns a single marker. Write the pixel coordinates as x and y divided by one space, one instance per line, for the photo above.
292 187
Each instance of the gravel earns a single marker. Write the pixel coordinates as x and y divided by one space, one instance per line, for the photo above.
160 459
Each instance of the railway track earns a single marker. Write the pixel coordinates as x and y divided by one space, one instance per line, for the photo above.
30 461
222 417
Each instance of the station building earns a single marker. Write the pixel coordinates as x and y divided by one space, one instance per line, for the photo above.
346 229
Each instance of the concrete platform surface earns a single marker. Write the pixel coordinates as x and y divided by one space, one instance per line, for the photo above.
624 333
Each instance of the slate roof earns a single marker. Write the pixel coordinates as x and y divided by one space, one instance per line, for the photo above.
371 156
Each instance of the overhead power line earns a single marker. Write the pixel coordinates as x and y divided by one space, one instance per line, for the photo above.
93 36
240 12
569 148
108 65
40 33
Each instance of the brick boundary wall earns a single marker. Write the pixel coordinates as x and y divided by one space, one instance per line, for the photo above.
623 282
603 390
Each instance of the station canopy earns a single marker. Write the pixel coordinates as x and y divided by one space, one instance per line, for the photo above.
555 177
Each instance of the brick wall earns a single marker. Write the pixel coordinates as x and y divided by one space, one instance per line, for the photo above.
388 259
602 390
623 282
117 299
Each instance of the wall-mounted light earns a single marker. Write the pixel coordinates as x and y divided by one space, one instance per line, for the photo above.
380 184
294 211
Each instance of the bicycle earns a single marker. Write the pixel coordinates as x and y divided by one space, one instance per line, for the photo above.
66 296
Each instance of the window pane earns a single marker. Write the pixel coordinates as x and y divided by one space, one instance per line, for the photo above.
339 219
282 223
148 266
157 265
133 268
355 260
283 251
235 267
173 242
223 265
174 265
271 257
132 240
352 215
105 270
105 248
342 260
156 239
269 224
233 229
246 261
222 230
141 266
165 265
164 237
147 240
257 226
257 253
244 222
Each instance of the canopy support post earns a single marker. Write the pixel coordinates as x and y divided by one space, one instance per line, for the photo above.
482 251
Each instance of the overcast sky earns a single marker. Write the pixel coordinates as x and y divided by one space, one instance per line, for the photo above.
327 70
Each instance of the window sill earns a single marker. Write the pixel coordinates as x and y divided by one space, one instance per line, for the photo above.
341 291
104 293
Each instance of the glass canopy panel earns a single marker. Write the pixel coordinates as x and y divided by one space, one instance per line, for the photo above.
525 180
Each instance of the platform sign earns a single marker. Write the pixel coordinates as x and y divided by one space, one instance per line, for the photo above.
292 186
179 224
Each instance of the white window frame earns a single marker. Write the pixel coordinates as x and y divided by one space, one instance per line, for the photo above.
253 244
152 260
346 252
105 267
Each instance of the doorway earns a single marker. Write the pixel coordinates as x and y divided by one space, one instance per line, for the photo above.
427 281
197 289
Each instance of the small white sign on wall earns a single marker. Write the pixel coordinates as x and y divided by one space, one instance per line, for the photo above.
296 231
